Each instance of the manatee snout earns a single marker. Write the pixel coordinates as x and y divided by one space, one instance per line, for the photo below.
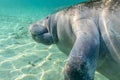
41 34
36 29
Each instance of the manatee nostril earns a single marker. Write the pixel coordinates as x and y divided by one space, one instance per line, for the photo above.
35 25
33 29
36 29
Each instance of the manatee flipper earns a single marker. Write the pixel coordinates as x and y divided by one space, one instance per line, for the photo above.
81 64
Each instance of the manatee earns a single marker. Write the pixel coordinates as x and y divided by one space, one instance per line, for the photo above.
89 33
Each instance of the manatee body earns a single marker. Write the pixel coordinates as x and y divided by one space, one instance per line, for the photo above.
89 33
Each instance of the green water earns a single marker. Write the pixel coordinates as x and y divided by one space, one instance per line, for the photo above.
20 57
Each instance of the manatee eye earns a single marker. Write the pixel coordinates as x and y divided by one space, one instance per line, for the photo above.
47 17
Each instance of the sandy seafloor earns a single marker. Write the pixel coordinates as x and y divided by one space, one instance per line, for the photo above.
21 58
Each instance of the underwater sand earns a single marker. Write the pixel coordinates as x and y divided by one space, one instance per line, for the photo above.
20 57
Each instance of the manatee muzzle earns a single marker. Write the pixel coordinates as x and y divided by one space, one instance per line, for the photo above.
38 29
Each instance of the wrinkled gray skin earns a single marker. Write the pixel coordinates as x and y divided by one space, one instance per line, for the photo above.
90 36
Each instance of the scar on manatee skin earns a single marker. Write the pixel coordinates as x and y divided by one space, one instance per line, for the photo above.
71 14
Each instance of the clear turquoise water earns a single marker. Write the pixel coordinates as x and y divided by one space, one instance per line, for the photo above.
20 57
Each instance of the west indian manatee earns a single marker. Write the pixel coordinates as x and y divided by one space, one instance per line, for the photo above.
89 33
